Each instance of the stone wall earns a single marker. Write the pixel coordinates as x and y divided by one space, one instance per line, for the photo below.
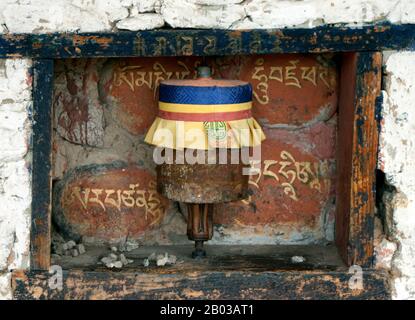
104 107
111 15
395 234
396 159
15 183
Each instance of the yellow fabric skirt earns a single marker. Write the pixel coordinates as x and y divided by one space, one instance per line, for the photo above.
200 135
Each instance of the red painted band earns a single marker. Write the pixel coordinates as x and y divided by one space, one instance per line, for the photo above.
220 116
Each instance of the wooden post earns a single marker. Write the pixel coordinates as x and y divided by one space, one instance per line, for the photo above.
41 167
357 155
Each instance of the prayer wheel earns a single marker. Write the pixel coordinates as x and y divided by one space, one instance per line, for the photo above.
203 129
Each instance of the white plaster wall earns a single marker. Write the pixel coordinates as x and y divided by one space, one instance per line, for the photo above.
15 183
396 159
109 15
395 249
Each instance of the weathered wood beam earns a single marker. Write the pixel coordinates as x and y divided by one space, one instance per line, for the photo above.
41 164
201 285
177 42
357 156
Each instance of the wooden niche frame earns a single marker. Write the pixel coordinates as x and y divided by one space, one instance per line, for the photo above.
361 66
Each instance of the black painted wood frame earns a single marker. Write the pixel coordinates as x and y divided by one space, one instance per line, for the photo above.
357 164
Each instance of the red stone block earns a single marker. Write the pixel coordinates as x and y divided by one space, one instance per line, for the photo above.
294 97
280 85
132 88
295 183
292 89
108 202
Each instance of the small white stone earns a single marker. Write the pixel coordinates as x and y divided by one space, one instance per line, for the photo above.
106 260
161 260
81 248
75 252
70 244
123 259
297 259
118 264
114 249
113 256
172 259
146 262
